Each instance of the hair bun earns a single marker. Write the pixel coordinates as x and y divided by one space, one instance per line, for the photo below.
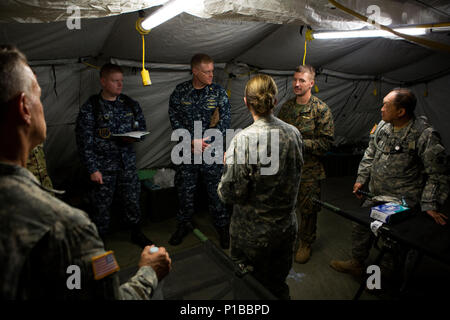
260 93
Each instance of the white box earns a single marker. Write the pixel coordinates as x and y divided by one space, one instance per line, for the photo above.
389 212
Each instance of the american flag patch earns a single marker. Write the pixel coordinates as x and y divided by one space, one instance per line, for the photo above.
104 264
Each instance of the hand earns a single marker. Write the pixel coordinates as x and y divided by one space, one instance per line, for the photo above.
159 261
438 217
224 157
356 187
199 145
97 177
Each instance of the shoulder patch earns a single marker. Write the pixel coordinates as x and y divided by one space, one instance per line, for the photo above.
373 129
104 265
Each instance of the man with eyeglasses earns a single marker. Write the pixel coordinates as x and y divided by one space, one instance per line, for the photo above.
192 102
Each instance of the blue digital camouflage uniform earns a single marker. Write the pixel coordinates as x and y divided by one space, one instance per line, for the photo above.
116 160
264 225
187 105
42 236
410 165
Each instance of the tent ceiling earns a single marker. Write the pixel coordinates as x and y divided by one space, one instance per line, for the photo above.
258 44
35 11
178 39
319 14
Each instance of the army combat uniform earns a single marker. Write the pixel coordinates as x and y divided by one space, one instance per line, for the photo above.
37 165
409 164
264 225
42 236
315 122
116 160
186 106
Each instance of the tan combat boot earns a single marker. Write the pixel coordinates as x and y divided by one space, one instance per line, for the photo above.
352 266
303 253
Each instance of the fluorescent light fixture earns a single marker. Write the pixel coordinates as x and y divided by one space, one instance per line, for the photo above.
369 33
170 9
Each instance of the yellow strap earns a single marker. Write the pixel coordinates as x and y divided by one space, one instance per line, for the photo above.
304 55
144 73
308 37
425 42
143 52
142 32
90 65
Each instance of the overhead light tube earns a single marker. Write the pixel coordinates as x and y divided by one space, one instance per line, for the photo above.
368 33
170 9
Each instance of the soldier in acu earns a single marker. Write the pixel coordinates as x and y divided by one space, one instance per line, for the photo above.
314 120
405 161
41 236
203 102
263 225
111 162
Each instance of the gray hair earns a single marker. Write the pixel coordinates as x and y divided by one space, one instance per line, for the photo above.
13 79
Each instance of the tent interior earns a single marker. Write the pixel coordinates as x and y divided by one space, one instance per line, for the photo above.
244 37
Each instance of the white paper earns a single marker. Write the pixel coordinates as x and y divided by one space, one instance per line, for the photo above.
375 226
132 134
